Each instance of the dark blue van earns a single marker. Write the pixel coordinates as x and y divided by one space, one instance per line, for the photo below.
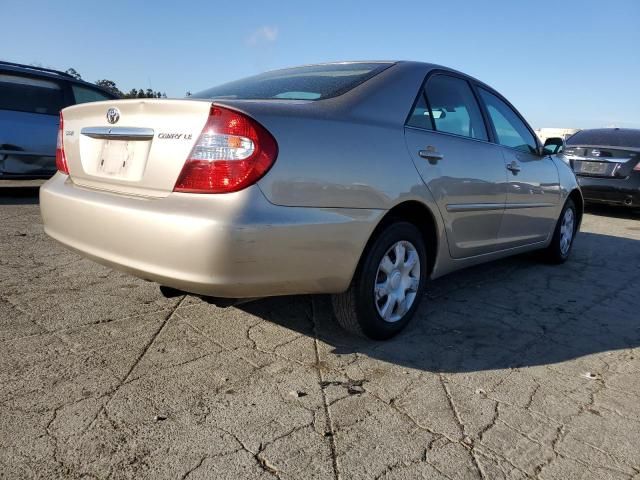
30 102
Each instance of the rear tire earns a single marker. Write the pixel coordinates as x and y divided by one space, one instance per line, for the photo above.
564 234
387 286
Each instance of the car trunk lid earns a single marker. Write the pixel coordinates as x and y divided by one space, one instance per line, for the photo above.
135 147
602 161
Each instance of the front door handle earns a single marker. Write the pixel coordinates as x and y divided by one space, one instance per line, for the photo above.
431 154
514 167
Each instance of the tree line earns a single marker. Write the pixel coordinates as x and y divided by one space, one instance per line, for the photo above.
113 88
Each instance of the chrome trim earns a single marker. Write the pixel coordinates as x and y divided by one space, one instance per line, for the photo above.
513 206
598 159
479 207
118 133
455 135
474 207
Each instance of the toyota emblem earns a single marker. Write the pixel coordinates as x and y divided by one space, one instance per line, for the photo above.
113 115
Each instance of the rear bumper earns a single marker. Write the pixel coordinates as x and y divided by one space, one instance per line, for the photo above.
234 245
614 191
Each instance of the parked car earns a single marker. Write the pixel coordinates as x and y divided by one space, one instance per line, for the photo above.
30 102
360 179
607 164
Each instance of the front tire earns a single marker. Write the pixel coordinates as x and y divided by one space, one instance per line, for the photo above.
561 244
387 286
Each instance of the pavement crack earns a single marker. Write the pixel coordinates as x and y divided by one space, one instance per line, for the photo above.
496 414
262 462
495 457
330 431
196 467
527 406
146 348
219 344
392 404
207 457
469 444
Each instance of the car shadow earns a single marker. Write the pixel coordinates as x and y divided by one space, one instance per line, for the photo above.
627 213
19 195
511 313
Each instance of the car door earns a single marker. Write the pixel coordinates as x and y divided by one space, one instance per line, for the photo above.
533 189
448 141
29 117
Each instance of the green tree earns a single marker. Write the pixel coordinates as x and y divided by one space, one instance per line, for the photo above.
109 85
74 73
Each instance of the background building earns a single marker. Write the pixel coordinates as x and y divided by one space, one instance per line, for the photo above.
564 133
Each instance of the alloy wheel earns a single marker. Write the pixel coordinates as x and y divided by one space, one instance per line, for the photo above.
397 281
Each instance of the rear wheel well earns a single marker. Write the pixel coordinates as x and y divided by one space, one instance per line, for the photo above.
417 214
576 196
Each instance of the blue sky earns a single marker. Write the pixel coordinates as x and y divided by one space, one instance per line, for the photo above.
562 63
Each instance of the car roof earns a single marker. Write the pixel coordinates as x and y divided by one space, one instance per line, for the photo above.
426 66
48 73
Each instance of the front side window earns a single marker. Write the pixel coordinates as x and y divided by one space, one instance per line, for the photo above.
510 129
28 94
454 108
85 95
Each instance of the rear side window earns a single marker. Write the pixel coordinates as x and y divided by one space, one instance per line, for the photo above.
454 108
511 131
313 82
85 95
420 116
27 94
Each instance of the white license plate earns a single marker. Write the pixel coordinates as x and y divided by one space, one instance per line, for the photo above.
597 168
116 157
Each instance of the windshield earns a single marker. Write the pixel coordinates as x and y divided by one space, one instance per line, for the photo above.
313 82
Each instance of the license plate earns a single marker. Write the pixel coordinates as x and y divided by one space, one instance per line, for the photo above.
596 168
116 157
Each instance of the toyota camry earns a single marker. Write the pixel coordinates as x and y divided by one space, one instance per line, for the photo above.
363 180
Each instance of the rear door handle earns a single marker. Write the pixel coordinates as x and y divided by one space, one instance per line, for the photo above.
431 154
514 167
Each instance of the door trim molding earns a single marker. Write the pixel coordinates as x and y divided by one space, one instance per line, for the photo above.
513 206
480 207
474 207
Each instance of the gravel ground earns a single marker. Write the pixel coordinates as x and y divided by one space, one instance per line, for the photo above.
511 370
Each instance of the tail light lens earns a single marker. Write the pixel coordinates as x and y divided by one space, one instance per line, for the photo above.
637 167
232 152
61 159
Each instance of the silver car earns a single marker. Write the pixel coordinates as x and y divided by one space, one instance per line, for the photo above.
363 180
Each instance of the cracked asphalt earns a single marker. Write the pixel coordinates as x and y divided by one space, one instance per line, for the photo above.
513 369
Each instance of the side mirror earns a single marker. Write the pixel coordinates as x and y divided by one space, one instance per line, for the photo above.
553 145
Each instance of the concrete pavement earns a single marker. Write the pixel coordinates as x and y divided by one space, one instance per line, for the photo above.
514 369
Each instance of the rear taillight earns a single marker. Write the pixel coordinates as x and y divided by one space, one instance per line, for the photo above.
637 167
61 160
232 152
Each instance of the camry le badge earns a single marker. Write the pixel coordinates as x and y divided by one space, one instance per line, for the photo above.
113 115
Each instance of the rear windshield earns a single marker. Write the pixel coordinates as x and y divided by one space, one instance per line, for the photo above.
610 137
314 82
